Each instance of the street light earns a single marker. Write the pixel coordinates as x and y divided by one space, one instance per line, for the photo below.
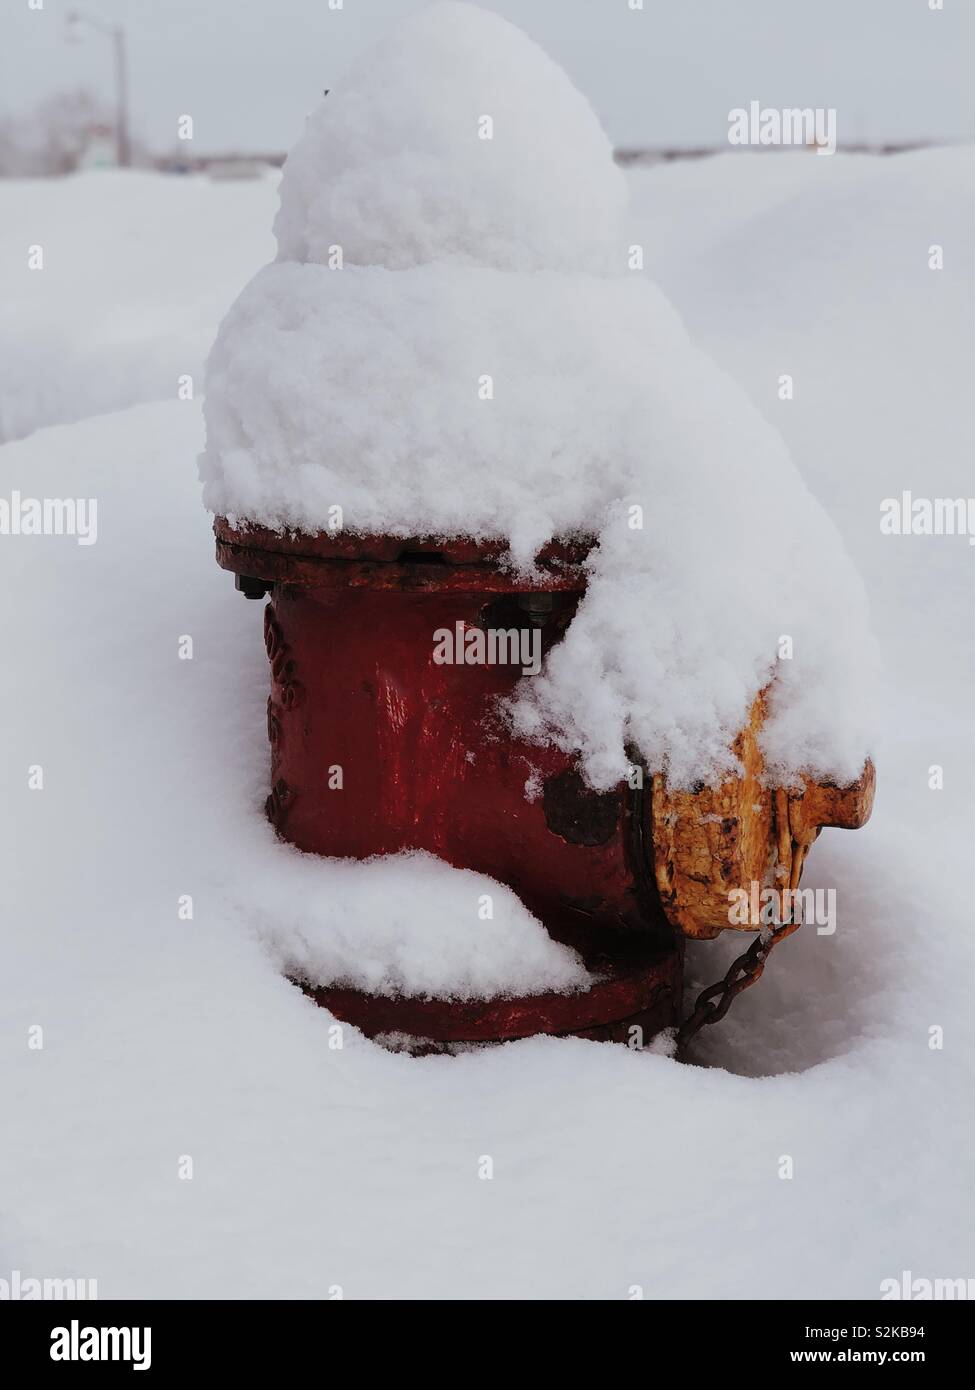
75 19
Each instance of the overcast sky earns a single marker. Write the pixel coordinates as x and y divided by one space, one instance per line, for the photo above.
248 71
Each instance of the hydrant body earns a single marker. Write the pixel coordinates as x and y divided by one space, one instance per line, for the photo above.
389 662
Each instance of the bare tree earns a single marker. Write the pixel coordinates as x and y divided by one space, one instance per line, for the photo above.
52 138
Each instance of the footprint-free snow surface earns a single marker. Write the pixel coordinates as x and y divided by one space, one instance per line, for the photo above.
316 1166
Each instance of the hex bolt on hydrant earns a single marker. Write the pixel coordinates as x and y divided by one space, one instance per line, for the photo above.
622 876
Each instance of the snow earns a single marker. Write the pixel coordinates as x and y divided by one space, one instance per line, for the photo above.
403 924
436 384
829 281
398 167
137 270
317 1166
406 924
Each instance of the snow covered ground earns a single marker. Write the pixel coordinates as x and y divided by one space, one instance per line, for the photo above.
315 1166
138 269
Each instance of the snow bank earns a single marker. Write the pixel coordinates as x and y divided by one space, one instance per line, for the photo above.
778 268
138 269
466 371
409 923
316 1166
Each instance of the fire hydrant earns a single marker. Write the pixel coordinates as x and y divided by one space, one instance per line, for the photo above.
378 746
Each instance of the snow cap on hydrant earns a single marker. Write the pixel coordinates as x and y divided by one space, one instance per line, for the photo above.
456 139
457 340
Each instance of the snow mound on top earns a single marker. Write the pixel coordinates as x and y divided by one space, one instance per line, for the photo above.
461 386
385 367
395 166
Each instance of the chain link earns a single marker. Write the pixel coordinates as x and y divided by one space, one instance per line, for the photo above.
714 1002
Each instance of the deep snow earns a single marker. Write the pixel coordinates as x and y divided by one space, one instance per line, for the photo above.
315 1166
137 271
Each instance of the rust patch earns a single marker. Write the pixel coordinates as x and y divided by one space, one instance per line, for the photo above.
711 840
576 812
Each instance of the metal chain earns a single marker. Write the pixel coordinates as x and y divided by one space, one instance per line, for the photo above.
740 975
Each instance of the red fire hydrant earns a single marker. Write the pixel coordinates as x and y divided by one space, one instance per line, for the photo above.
378 746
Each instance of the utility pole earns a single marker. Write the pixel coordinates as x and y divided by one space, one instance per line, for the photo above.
121 98
74 20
